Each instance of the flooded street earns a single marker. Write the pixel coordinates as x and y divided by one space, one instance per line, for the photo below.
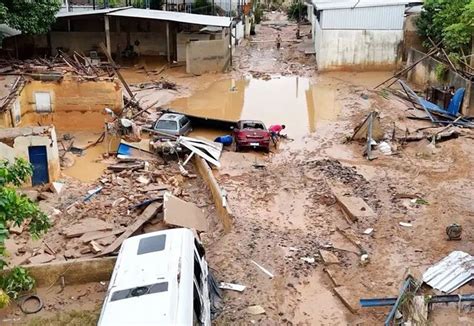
281 210
296 102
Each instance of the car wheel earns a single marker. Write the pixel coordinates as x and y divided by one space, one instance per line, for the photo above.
237 148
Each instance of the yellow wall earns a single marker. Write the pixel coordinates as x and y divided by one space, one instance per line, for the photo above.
76 105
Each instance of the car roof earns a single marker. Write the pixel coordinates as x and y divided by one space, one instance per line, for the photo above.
139 264
171 116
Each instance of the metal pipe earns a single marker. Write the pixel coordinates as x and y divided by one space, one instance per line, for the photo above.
382 302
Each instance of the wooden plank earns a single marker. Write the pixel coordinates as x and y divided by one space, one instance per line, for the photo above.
90 236
147 214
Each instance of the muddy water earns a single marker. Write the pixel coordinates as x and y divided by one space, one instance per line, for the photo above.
89 166
293 101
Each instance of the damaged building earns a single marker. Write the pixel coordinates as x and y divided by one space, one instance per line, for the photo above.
37 145
201 42
67 101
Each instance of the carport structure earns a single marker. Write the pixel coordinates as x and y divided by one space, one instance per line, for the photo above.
195 39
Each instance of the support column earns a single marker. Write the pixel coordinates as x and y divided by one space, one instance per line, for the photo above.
107 35
168 52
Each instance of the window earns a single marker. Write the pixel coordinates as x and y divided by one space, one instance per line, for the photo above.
197 306
253 125
151 244
43 102
183 121
199 248
16 110
166 125
197 271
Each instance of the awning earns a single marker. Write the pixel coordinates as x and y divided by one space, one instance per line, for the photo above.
179 17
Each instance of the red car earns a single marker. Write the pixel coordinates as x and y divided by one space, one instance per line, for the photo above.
251 134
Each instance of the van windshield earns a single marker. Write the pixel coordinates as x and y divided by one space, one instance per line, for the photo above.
166 125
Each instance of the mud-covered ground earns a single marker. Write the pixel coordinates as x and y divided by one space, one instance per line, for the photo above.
284 209
283 206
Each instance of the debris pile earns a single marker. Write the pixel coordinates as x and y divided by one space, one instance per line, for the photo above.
91 220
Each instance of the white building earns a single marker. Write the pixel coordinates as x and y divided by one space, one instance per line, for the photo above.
357 34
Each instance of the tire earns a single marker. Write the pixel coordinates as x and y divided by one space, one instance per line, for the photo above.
237 148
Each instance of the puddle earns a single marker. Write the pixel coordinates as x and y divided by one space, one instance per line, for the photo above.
293 101
88 166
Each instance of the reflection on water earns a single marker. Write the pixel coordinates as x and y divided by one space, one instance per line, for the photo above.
292 101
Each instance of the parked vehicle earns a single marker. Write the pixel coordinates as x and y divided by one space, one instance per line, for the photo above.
160 278
173 124
251 134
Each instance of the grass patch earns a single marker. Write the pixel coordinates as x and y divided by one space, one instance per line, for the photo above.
72 318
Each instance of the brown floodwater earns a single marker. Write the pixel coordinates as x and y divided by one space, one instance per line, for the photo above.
296 102
89 166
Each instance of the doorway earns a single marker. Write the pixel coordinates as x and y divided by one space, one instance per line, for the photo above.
39 160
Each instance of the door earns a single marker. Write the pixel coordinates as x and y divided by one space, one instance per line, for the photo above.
39 160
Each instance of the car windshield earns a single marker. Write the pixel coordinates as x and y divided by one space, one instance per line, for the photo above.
252 125
166 125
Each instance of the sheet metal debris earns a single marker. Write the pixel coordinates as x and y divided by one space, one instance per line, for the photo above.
451 272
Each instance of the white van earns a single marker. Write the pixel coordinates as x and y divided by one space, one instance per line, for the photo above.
160 278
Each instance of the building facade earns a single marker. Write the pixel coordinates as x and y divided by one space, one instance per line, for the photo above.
351 34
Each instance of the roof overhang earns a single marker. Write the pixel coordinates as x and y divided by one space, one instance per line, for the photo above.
172 16
352 4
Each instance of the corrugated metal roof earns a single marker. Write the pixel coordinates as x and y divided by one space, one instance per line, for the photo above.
451 272
350 4
66 14
368 18
173 16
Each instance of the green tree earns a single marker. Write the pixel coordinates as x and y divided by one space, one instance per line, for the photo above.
15 210
448 21
29 16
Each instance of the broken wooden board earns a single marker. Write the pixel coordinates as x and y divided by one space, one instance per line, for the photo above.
354 208
181 213
147 214
348 298
90 236
328 257
85 226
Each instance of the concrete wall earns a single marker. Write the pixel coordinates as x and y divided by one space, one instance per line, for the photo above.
423 74
183 39
222 205
411 39
207 56
19 148
76 105
356 49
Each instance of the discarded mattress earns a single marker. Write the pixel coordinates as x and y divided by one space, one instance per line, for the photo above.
451 272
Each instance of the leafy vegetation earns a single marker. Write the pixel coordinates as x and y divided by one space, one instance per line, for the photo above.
450 22
15 210
441 72
296 11
30 17
203 7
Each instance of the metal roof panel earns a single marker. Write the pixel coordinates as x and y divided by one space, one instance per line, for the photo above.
451 272
173 16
